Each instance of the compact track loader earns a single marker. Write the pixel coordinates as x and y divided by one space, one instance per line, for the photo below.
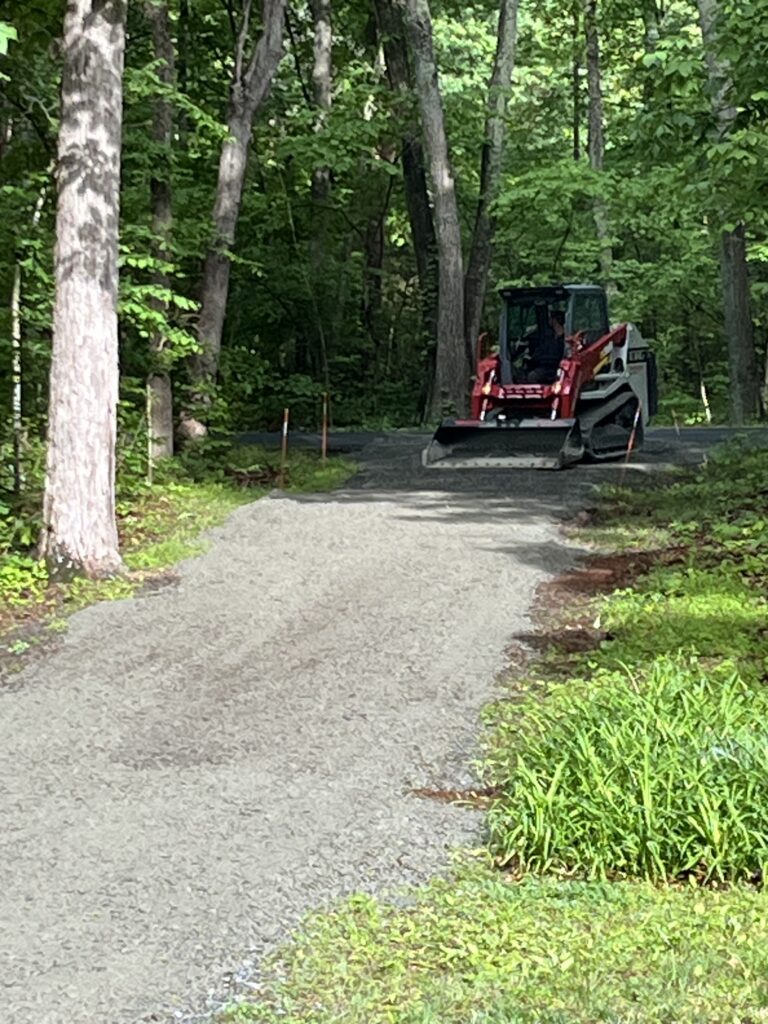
563 385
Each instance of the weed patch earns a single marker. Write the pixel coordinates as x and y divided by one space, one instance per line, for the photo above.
654 776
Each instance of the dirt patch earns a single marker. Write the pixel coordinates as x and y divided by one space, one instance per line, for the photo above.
478 798
563 611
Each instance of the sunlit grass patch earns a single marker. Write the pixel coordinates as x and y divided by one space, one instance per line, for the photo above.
484 950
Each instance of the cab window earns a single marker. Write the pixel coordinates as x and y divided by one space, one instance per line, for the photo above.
589 314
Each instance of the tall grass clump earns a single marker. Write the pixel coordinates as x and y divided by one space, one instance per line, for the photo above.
659 777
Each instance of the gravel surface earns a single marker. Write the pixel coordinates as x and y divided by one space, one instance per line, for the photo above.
193 770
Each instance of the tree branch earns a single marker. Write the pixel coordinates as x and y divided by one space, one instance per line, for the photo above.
227 5
242 42
296 61
267 53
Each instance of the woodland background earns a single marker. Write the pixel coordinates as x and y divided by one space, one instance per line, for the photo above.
327 292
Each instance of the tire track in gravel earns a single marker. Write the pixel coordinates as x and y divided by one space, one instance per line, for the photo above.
193 770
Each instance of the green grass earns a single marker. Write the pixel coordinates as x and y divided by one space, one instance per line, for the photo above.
482 950
657 775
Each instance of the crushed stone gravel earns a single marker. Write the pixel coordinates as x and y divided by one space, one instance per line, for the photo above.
194 770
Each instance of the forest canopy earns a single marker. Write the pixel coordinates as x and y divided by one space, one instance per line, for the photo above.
283 231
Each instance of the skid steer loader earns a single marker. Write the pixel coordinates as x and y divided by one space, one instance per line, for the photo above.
563 385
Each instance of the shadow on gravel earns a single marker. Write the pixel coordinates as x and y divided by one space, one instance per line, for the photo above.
391 471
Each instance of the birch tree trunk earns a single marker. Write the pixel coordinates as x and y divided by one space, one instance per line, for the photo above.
596 142
79 529
481 249
159 390
251 82
451 368
734 273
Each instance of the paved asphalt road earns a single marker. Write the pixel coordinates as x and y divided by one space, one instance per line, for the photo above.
193 770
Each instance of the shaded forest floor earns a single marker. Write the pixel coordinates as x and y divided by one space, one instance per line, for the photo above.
622 878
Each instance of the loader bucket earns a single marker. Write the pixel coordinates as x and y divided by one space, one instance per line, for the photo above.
510 444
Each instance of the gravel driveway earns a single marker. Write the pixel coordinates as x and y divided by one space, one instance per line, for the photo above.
193 770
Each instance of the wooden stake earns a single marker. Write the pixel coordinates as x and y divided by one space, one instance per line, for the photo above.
284 452
631 445
325 427
150 453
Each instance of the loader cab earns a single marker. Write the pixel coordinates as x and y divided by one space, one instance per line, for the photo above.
525 317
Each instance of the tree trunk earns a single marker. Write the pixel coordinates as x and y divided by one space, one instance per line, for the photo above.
159 390
373 268
597 143
651 25
739 328
481 250
322 86
79 528
250 87
734 273
17 352
576 82
392 33
16 379
229 192
451 369
322 95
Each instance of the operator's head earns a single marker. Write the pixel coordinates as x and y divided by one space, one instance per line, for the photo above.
557 321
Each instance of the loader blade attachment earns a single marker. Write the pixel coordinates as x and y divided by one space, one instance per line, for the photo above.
506 444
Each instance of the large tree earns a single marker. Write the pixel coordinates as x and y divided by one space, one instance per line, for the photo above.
734 274
251 82
391 30
79 532
481 249
451 366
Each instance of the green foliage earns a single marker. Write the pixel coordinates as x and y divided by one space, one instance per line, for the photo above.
22 580
479 950
649 763
656 774
328 299
7 35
